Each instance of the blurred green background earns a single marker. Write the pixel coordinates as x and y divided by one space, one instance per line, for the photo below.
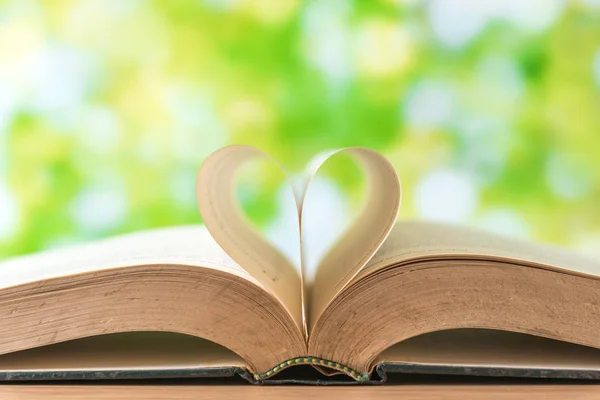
489 110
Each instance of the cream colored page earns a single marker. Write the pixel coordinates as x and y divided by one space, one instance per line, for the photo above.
364 236
186 245
415 240
225 220
490 348
123 351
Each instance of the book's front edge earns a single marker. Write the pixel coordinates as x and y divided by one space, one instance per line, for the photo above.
384 369
396 372
124 374
159 374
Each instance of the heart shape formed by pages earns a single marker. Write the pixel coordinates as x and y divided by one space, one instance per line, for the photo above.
225 221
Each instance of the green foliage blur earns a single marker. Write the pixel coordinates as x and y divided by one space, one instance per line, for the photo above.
490 111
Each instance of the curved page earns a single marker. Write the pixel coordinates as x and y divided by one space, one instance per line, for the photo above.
229 227
366 233
425 240
225 220
185 245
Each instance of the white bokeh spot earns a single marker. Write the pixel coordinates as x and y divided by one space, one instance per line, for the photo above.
326 38
506 222
99 208
455 23
326 215
567 179
101 127
62 79
531 15
596 67
499 81
446 195
429 105
9 213
282 231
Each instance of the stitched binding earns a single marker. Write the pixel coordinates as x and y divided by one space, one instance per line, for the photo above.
312 361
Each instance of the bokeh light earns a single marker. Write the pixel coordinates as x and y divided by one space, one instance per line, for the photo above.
489 110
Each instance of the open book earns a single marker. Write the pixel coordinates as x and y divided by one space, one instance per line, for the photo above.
217 300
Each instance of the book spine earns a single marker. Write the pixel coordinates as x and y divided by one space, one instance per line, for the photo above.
312 361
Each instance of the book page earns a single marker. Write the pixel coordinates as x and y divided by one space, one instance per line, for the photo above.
158 280
123 351
226 222
364 236
423 240
491 348
185 245
231 229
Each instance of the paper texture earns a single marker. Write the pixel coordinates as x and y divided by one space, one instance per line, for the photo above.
366 233
423 240
185 245
225 221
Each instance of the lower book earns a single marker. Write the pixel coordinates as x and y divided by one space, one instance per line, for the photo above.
143 356
468 303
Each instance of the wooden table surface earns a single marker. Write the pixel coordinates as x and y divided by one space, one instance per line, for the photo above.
404 392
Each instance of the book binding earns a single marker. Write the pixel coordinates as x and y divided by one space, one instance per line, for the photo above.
383 372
